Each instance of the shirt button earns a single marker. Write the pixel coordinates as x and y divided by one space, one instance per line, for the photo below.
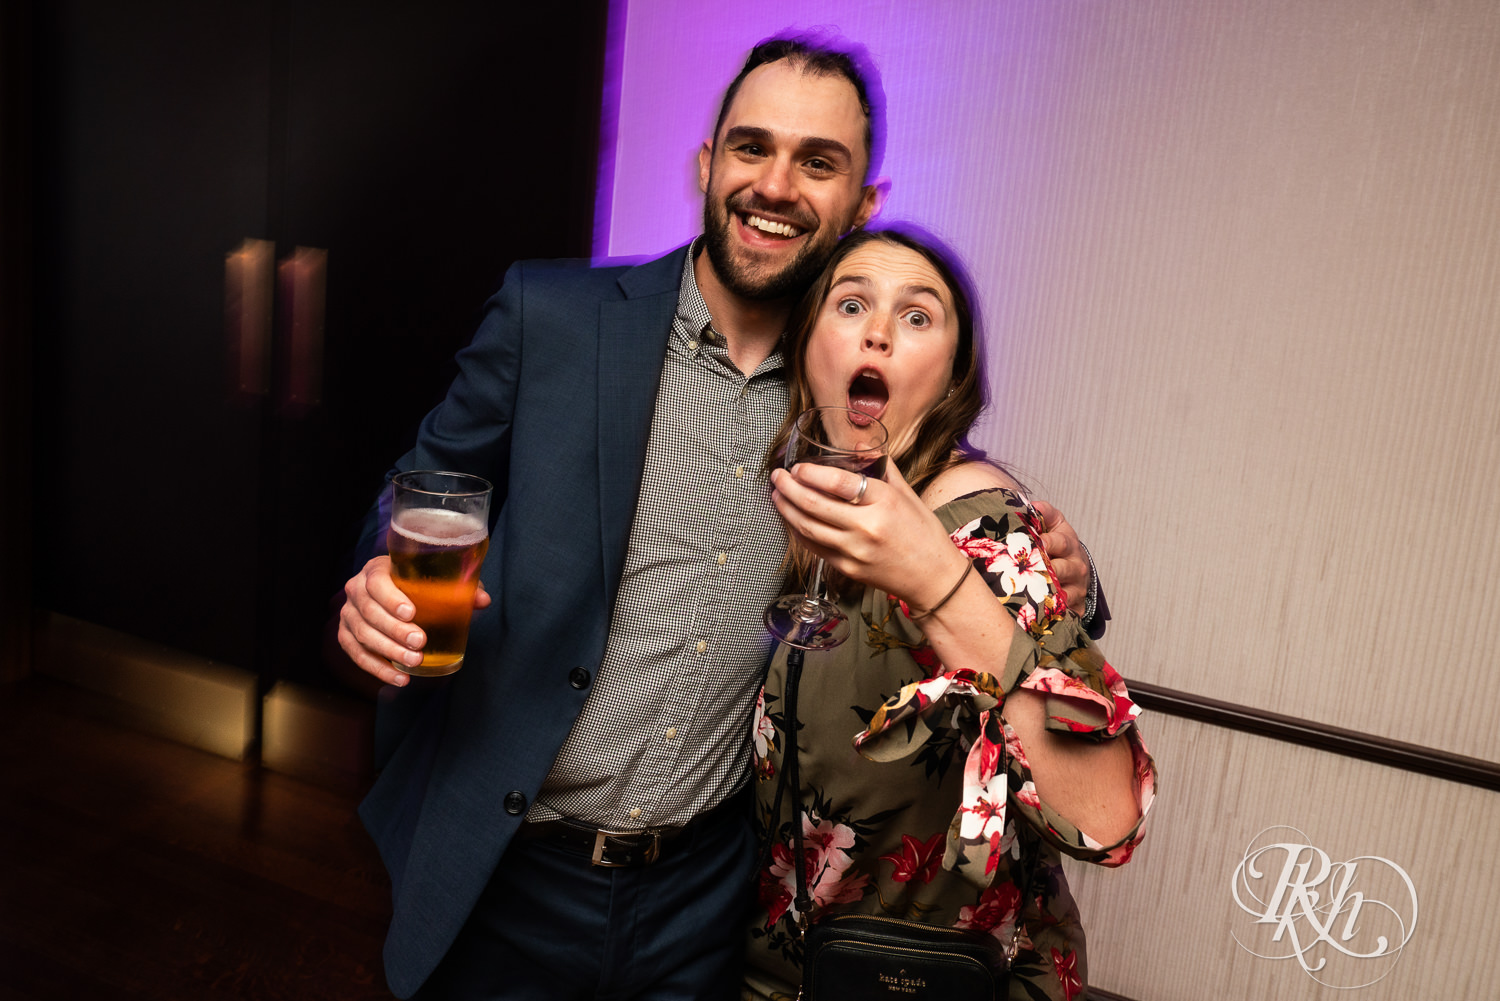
515 803
635 814
722 557
578 678
692 345
702 645
671 733
739 471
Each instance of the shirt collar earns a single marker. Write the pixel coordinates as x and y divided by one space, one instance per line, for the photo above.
692 312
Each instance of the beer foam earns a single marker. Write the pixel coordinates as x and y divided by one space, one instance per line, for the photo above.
432 526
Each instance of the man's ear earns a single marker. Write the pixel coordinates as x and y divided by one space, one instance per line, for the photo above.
705 161
872 200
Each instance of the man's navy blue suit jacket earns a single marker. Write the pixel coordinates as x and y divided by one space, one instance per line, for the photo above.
553 405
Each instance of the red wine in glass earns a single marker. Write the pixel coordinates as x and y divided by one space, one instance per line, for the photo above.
847 439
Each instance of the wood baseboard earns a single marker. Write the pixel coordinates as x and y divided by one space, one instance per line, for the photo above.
153 688
320 737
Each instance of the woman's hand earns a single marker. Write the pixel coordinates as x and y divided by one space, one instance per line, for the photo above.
890 540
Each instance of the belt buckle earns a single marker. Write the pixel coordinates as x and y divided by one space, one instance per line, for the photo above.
653 850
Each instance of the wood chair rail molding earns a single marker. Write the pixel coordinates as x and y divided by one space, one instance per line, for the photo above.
1308 733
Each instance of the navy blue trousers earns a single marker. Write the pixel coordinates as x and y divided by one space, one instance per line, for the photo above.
552 927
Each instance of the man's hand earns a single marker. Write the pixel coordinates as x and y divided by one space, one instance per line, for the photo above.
1066 554
376 627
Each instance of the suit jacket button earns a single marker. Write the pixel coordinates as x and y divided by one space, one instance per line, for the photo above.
515 803
578 678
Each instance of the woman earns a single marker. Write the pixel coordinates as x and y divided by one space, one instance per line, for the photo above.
991 735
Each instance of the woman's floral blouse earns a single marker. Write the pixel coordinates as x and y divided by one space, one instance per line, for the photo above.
919 795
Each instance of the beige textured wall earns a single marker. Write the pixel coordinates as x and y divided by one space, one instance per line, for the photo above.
1164 927
1253 349
1259 305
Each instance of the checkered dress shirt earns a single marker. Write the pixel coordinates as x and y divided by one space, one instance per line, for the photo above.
664 734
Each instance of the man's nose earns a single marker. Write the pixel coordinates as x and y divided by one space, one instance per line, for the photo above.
777 183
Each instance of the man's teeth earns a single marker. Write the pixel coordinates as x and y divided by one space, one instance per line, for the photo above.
774 228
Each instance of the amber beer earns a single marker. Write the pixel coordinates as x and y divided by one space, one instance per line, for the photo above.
437 541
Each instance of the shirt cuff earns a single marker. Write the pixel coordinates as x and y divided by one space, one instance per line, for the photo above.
1090 603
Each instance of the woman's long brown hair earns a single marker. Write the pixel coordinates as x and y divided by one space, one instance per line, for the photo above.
941 442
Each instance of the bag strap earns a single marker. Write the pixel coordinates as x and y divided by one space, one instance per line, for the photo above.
792 774
789 773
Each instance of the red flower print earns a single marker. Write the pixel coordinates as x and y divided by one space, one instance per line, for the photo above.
916 861
1026 796
1067 974
1014 748
996 911
927 659
989 756
825 864
1125 708
1112 679
776 891
992 860
981 547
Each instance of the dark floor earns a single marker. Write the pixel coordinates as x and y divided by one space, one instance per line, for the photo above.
135 867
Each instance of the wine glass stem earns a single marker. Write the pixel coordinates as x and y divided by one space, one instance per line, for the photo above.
817 582
812 611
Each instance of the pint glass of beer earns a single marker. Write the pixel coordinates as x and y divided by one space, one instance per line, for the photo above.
437 540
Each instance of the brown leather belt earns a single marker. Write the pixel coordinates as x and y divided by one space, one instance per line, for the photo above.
613 849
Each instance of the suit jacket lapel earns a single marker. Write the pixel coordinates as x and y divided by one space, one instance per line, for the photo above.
632 346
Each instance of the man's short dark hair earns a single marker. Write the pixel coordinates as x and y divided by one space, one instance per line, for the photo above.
823 53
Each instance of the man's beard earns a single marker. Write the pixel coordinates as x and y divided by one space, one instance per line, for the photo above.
750 282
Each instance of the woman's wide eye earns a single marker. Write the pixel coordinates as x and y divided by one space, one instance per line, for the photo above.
917 318
849 307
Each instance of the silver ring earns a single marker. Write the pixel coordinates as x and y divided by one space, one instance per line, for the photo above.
859 495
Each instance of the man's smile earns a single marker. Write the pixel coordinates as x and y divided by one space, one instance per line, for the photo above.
773 228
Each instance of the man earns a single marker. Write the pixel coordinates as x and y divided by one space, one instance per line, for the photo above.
610 680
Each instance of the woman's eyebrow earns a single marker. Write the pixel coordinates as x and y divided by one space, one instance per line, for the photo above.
906 290
849 280
916 289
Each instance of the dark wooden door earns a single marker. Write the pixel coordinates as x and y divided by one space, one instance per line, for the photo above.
421 146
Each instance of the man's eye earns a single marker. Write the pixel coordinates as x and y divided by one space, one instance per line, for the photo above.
750 149
819 164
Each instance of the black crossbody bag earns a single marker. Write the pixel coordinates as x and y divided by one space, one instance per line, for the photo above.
866 957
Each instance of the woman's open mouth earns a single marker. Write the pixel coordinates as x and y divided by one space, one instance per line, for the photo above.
868 393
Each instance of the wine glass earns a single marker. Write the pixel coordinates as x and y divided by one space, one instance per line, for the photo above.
828 436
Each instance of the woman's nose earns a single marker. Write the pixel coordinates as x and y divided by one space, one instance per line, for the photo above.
878 335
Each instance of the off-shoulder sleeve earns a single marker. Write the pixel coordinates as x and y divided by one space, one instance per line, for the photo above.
1051 654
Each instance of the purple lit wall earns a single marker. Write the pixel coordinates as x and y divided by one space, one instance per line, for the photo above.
973 91
950 73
